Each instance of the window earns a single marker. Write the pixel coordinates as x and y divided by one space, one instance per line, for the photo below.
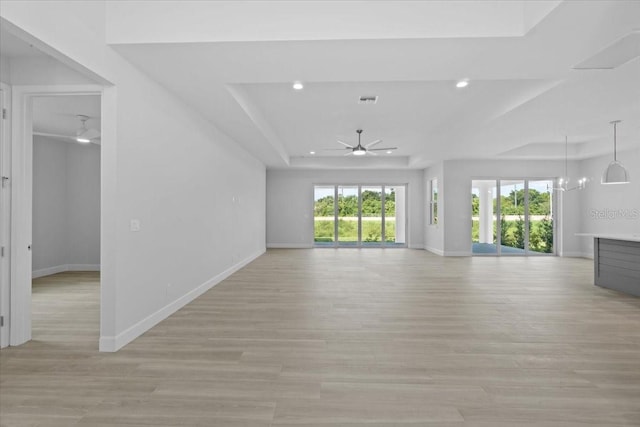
512 217
324 215
433 202
360 215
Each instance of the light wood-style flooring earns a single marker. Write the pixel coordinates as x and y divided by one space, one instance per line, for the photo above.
343 337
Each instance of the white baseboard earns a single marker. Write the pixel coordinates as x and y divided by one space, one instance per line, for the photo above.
434 250
83 267
457 253
577 255
62 268
289 246
115 343
48 271
416 246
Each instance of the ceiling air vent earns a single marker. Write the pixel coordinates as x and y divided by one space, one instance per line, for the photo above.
367 99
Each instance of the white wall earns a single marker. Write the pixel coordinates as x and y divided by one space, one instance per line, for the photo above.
50 207
609 208
66 206
200 199
290 201
83 205
5 70
39 71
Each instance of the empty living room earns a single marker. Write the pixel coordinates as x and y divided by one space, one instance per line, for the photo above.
320 213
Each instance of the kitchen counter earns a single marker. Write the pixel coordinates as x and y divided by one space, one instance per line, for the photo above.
627 237
616 261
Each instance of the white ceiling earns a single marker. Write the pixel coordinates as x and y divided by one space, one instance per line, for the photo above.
13 47
58 115
523 98
235 62
52 115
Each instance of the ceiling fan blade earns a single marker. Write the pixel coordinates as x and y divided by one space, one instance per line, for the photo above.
350 153
90 134
94 140
335 149
372 153
371 144
344 143
54 135
383 149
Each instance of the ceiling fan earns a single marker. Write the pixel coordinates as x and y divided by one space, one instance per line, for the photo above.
360 150
83 134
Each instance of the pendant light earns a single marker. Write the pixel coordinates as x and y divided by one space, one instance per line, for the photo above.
615 172
563 181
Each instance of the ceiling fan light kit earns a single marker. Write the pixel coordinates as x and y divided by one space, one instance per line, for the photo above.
84 135
361 150
615 173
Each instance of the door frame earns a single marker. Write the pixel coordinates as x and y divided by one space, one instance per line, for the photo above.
5 214
21 199
554 215
359 245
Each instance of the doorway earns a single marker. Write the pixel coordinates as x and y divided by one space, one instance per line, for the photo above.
65 245
360 216
512 217
24 129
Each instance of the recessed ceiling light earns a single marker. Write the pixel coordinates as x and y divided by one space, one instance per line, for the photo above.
462 83
312 152
298 85
83 140
389 151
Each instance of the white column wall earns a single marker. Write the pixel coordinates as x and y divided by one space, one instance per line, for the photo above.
485 194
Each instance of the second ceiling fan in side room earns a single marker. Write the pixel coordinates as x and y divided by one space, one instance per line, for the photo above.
361 150
83 134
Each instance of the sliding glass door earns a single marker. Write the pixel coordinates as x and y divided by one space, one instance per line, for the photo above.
360 215
540 214
512 218
524 223
371 216
324 212
347 216
395 218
